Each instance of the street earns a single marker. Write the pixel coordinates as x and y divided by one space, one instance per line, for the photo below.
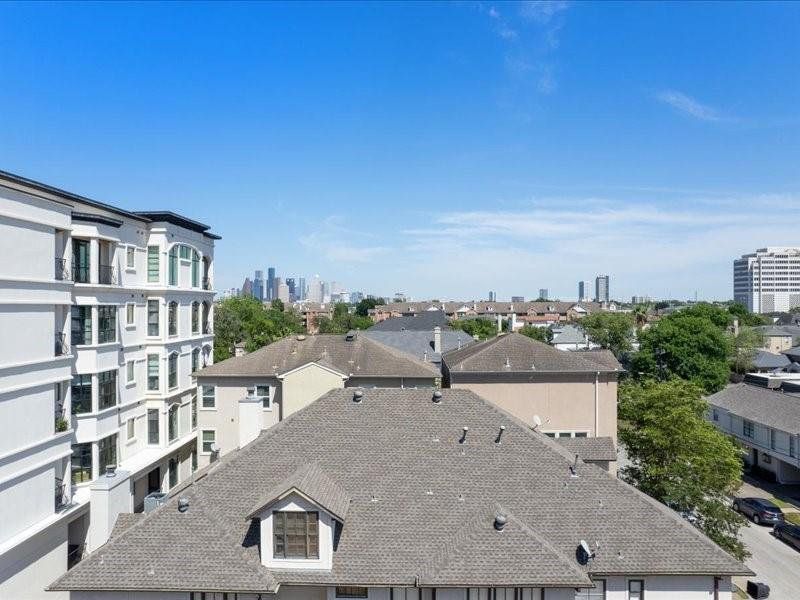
776 563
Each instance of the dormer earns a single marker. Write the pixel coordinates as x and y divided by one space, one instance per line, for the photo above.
299 519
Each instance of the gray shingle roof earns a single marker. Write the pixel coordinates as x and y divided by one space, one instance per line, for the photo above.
773 408
362 357
416 494
568 334
778 330
590 448
314 484
418 343
424 321
515 353
768 360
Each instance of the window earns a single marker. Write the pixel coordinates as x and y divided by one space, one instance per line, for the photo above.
715 414
106 389
581 434
195 317
766 458
172 318
172 370
131 374
106 324
152 318
173 472
194 460
598 592
195 269
152 372
80 261
172 422
195 360
194 411
81 325
208 396
81 463
108 452
260 391
209 439
173 265
747 428
130 257
186 252
772 437
131 429
81 394
152 426
130 313
295 534
351 591
152 264
792 446
635 589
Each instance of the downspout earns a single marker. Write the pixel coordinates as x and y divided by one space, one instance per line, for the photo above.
596 403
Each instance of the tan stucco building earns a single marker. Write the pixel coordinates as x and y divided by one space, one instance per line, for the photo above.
570 394
244 395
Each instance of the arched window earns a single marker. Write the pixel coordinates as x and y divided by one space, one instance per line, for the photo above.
172 370
195 317
195 269
172 422
172 318
206 315
173 265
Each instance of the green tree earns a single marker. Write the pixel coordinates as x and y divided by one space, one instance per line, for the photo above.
481 329
686 345
363 307
611 330
744 346
745 317
679 458
640 315
543 334
246 320
342 320
277 304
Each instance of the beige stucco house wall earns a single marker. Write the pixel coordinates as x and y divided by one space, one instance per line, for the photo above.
305 384
777 343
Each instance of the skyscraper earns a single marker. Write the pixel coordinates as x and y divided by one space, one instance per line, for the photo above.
247 287
270 291
276 284
492 296
602 291
290 282
584 291
543 293
258 286
768 280
302 292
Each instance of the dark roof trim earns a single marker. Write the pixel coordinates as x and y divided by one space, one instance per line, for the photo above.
213 236
90 218
176 219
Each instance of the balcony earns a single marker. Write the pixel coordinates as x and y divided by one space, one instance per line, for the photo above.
106 275
62 271
80 272
61 346
206 283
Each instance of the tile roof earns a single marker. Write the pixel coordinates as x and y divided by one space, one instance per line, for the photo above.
590 448
418 343
416 494
514 353
773 408
361 357
424 321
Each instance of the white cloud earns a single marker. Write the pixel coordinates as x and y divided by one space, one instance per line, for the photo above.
333 241
688 105
542 11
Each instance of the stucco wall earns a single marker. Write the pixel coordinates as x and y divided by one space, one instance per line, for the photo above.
301 387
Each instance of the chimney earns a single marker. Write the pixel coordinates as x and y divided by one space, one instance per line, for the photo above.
499 324
513 322
437 340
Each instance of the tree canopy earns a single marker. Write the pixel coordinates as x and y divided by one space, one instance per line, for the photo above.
543 334
342 320
362 308
611 330
481 329
681 459
246 320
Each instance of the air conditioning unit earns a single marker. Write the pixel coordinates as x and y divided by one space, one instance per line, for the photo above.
154 500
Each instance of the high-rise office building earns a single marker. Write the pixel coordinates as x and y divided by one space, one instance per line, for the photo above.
290 282
492 297
602 288
275 285
543 293
283 292
258 286
270 291
105 315
584 291
247 287
768 280
518 298
315 291
302 292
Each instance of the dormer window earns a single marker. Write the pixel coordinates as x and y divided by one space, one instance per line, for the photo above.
295 534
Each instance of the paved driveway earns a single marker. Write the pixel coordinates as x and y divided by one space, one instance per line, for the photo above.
777 564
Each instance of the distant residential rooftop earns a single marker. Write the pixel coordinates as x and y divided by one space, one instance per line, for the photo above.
773 407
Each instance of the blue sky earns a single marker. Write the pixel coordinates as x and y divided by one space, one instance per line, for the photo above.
442 149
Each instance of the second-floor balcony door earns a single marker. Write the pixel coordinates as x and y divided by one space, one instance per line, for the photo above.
80 261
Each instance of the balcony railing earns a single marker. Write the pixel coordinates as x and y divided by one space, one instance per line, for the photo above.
206 283
80 272
74 554
107 275
60 495
62 272
61 347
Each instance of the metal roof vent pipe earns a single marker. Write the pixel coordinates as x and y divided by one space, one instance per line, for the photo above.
499 434
111 470
500 521
464 431
183 504
358 395
437 397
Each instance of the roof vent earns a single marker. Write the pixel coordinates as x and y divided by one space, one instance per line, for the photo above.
573 473
183 504
111 470
508 363
500 521
358 395
464 431
499 434
437 397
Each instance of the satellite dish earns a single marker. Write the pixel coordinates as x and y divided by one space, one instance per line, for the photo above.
585 548
214 448
537 421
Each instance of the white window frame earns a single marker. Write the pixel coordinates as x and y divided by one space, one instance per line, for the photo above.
252 393
130 258
566 433
642 594
130 314
130 429
130 372
202 439
201 395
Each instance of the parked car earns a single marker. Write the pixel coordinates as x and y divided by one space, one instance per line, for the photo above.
761 511
788 532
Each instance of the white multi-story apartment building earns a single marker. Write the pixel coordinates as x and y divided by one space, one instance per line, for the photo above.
768 280
104 316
